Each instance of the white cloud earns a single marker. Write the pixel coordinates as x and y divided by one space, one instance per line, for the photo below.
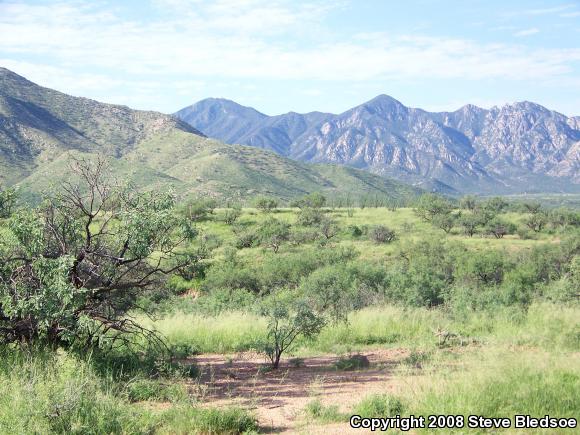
571 14
552 10
239 39
527 32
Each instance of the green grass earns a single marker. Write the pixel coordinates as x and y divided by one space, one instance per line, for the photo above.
317 411
227 332
43 392
544 325
501 383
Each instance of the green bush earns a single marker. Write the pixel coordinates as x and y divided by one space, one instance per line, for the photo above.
324 414
380 405
352 362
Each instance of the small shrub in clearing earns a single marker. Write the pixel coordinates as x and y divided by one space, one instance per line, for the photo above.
382 234
353 362
325 414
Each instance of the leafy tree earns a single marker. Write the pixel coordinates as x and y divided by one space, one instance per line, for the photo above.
495 205
486 268
431 205
288 317
312 200
265 203
74 267
8 198
468 202
536 222
424 272
273 233
469 223
445 222
382 234
533 207
498 228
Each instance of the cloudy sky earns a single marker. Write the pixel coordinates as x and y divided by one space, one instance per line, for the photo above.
283 55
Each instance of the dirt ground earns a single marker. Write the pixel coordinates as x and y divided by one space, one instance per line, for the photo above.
279 397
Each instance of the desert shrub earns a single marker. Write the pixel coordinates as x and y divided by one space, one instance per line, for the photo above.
423 272
486 268
494 205
536 221
469 223
300 236
309 216
289 317
445 222
199 209
247 239
328 228
382 234
231 215
313 200
468 202
265 204
351 362
8 197
231 273
524 233
69 277
273 233
355 231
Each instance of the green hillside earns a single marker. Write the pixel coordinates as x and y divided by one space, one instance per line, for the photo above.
41 130
191 165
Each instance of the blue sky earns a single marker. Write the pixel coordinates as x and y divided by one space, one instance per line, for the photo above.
283 55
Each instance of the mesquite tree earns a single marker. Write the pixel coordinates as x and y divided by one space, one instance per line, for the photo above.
71 269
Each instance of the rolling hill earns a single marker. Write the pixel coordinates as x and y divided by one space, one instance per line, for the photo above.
42 129
521 147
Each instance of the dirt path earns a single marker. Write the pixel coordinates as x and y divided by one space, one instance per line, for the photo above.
279 396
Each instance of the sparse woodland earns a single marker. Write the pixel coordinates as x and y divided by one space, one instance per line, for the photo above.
109 295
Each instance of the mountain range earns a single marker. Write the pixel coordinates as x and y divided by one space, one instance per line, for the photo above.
517 148
41 130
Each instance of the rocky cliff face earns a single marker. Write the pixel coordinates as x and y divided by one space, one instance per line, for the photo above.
515 148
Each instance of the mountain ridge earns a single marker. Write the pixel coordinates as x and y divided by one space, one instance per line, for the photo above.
42 130
514 148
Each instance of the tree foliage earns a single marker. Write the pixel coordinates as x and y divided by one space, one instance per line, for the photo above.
431 205
72 268
8 198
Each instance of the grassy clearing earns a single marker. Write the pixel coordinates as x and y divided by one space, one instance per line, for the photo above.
544 325
492 382
41 392
224 333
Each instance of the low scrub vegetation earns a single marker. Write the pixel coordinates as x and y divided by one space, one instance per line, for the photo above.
107 295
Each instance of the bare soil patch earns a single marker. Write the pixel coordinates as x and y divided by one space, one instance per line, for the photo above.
279 396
